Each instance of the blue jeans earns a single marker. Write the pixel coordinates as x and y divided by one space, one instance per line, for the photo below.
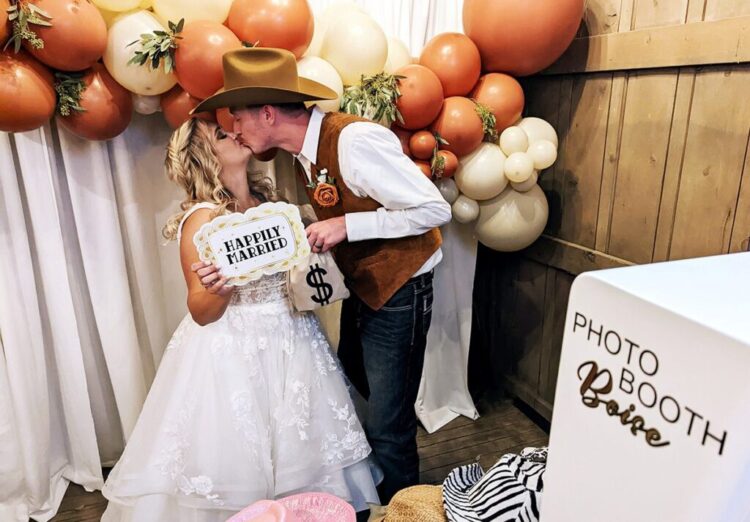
382 353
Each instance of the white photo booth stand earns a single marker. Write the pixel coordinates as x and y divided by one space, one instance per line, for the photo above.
651 415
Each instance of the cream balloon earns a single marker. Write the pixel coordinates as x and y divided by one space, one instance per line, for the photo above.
316 44
514 139
448 189
144 104
398 56
543 153
338 9
192 10
319 70
465 210
526 185
110 17
513 220
518 167
140 79
480 174
538 129
116 5
355 45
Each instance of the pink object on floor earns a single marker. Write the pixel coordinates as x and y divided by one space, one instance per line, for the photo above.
305 507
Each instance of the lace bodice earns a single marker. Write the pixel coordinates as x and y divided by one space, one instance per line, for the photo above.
267 289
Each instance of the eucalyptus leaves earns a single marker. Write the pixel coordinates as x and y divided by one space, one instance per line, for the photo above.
489 122
21 15
157 46
69 88
374 98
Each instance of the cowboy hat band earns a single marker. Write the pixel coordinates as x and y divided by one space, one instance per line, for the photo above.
259 76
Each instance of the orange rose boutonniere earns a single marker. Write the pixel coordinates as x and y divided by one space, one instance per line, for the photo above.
325 192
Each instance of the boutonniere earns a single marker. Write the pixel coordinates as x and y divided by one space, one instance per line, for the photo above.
324 188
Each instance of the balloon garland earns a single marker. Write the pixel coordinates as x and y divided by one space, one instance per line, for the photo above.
456 109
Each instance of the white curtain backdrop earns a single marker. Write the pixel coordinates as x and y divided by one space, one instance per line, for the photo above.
90 294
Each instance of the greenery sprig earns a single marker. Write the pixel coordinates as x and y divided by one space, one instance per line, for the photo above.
374 98
22 15
437 165
158 46
489 122
69 88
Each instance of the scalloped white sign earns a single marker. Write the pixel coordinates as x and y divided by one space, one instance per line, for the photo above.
264 240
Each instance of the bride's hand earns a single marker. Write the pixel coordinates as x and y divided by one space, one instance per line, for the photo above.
211 278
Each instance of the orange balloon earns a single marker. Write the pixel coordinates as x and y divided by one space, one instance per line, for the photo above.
421 96
176 105
77 38
459 124
521 38
285 24
455 59
5 29
450 163
422 145
503 95
27 92
403 136
424 166
225 119
109 107
198 63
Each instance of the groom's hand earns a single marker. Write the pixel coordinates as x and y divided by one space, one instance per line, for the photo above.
324 235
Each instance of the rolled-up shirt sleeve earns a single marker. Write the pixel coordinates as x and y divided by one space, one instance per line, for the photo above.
373 164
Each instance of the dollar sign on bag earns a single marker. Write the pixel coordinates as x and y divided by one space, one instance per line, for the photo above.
323 290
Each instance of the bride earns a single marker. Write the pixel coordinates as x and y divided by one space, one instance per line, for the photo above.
249 401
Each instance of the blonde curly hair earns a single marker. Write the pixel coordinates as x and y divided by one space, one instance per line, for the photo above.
192 164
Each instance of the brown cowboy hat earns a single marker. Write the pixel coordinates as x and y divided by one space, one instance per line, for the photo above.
259 76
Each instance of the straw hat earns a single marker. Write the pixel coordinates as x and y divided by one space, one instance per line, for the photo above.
305 507
258 76
417 504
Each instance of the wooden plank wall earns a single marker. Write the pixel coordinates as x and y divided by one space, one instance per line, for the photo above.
652 167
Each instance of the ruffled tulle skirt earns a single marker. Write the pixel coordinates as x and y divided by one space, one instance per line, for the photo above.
253 406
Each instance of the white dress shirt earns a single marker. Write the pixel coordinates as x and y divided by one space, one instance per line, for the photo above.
372 163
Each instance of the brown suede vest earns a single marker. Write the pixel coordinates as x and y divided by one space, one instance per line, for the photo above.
374 269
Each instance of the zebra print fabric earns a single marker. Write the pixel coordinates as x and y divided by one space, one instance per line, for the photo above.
510 491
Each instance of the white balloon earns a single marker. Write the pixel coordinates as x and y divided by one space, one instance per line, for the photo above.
319 70
140 79
398 56
543 153
448 189
465 210
518 167
538 129
192 10
144 104
480 174
513 220
526 185
317 40
116 5
514 139
338 9
355 45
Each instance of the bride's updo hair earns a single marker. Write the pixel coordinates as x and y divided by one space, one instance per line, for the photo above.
192 163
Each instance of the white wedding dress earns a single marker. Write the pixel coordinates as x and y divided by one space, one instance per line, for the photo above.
253 406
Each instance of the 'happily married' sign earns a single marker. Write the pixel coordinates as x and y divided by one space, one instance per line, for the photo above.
266 239
651 421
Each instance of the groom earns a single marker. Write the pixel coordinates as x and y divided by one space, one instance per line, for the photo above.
378 214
